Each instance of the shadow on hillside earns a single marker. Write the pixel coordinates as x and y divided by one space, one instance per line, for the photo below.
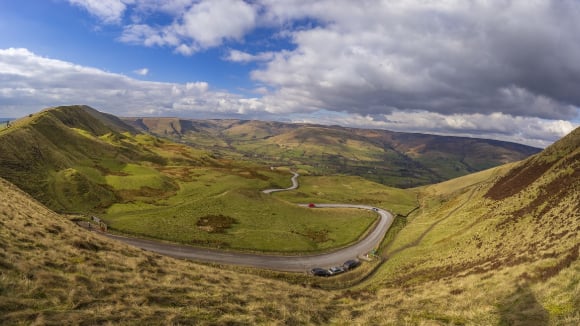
522 308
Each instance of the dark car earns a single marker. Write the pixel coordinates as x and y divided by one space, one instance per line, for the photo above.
320 272
350 264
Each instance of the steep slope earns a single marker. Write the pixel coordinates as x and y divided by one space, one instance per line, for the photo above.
53 272
391 158
62 156
500 246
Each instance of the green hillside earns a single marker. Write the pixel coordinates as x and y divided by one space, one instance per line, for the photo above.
391 158
68 157
77 160
499 247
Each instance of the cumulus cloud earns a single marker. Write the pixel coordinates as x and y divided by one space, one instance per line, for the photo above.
29 82
200 26
505 69
370 56
240 56
448 57
517 57
141 72
109 11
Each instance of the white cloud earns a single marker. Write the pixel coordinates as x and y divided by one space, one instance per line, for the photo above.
449 57
372 57
29 82
205 24
141 72
504 69
240 56
109 11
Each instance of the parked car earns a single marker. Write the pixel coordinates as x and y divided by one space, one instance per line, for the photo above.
351 264
320 272
336 270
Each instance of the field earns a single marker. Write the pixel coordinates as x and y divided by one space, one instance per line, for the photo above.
221 209
351 190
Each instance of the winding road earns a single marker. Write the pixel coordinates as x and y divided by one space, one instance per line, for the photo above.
300 263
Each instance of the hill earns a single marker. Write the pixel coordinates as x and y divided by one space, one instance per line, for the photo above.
391 158
500 246
75 159
474 253
53 272
62 156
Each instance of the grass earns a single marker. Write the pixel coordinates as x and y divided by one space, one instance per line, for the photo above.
355 190
93 280
263 222
136 176
475 252
461 259
468 251
396 159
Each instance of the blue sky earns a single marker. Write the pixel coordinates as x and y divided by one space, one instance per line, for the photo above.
505 69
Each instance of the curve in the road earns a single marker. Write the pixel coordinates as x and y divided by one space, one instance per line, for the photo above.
282 263
294 185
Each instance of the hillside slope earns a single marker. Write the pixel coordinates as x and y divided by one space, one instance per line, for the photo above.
53 272
463 258
391 158
62 156
500 246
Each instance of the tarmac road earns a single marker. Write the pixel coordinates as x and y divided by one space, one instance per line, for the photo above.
301 263
294 185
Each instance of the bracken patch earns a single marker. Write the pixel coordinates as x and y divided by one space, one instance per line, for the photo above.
516 180
215 223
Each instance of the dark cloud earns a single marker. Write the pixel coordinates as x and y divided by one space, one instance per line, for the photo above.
515 57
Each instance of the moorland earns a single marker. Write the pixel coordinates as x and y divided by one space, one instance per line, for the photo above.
499 246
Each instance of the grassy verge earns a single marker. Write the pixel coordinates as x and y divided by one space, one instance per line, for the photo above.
354 190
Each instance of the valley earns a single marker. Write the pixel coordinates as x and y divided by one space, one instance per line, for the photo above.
496 246
401 160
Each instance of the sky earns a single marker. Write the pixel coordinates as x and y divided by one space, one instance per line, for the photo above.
502 69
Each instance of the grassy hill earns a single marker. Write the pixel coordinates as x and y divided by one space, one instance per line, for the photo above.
391 158
499 247
76 159
55 273
496 247
64 157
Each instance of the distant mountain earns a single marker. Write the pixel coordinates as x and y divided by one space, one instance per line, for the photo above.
392 158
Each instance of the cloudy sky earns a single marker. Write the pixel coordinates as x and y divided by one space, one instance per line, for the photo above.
499 69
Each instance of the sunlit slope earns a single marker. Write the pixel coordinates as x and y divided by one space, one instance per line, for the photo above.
500 246
69 158
464 258
391 158
55 273
226 210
